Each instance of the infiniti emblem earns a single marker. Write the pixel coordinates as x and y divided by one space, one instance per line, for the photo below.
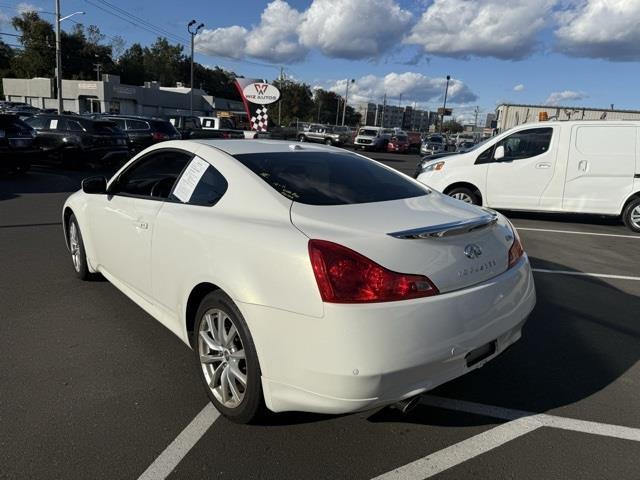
472 251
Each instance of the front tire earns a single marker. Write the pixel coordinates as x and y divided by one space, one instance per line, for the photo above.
227 359
464 195
302 138
631 215
76 247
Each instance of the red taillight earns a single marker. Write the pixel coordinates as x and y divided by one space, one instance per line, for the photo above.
159 136
516 251
345 276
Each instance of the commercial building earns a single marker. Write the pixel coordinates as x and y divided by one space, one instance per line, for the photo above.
110 96
392 116
510 115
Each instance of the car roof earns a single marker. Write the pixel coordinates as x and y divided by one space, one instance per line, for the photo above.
243 146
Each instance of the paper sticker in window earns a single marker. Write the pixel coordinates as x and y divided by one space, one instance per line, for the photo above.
189 179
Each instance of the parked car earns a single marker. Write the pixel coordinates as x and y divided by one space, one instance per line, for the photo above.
371 138
301 309
75 141
573 166
415 141
433 144
18 146
398 143
142 131
324 134
225 126
464 145
191 128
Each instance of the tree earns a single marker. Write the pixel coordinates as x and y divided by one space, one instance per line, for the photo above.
162 62
130 65
296 102
37 57
6 57
451 127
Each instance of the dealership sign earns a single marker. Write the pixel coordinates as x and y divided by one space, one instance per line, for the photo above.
261 93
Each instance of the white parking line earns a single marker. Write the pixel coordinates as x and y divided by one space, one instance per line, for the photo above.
583 274
461 452
573 232
162 466
520 423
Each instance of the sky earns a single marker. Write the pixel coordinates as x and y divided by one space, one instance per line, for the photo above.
557 52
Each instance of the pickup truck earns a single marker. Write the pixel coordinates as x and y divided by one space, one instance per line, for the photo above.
191 128
324 134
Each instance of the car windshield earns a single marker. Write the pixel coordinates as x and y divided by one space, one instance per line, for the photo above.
322 178
435 140
368 133
478 145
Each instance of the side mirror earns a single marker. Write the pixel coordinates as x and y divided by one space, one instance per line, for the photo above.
499 153
94 185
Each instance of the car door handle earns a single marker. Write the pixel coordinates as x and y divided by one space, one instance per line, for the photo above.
543 165
582 165
141 225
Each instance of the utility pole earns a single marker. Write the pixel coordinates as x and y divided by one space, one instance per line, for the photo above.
384 107
58 60
97 69
444 106
346 99
477 112
400 101
280 101
338 108
193 33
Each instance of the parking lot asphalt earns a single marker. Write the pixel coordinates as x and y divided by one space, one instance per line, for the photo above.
93 387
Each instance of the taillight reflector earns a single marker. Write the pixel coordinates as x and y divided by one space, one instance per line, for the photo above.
345 276
516 251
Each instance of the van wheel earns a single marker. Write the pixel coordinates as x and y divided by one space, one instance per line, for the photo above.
464 195
302 138
631 215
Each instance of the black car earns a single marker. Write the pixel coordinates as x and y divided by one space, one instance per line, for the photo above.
18 146
143 132
74 141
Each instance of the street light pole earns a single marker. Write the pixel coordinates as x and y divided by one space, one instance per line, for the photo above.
59 54
346 99
193 34
444 106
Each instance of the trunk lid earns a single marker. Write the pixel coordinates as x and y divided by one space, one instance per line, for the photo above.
366 228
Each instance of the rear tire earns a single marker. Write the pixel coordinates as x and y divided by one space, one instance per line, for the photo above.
464 195
328 142
76 247
302 138
227 359
631 215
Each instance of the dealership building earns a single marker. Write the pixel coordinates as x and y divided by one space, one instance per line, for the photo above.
110 96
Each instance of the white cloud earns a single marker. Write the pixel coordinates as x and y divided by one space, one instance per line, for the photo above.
414 87
600 29
482 28
353 29
518 88
565 96
228 42
275 38
4 20
24 7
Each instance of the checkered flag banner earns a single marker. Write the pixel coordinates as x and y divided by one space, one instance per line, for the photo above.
260 121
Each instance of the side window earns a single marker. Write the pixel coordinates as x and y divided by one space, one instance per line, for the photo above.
526 143
119 122
153 175
486 156
74 126
200 184
136 125
38 122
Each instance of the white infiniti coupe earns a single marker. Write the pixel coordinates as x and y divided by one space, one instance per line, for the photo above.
304 277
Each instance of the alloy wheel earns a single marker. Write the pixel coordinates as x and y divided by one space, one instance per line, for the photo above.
74 246
222 358
635 217
462 197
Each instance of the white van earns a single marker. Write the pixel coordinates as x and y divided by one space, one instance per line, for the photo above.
372 138
573 166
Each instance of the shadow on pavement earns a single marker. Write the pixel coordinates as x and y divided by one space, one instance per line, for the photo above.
585 219
582 336
46 180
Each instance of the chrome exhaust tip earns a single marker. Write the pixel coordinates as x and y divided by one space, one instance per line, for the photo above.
405 406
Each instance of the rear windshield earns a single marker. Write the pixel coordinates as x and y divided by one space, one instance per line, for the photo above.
165 127
320 178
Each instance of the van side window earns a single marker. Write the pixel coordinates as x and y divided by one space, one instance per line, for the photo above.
526 143
486 156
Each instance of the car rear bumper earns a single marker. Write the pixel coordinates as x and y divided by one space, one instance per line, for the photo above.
358 357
